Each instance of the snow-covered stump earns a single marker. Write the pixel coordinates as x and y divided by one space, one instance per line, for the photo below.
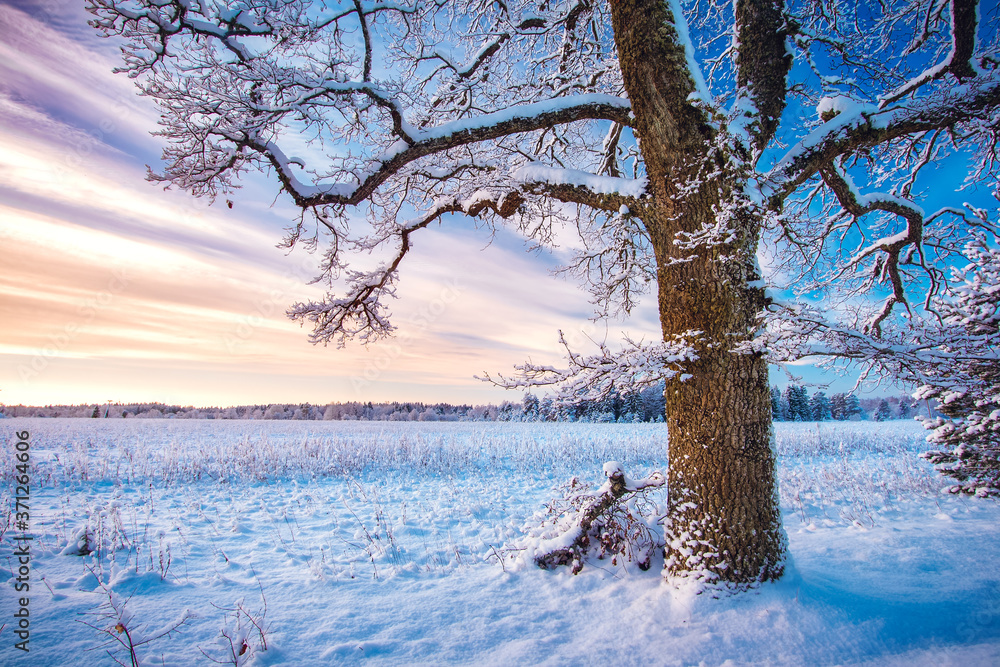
570 546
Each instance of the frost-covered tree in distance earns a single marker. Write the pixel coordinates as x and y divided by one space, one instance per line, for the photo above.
819 407
675 138
797 399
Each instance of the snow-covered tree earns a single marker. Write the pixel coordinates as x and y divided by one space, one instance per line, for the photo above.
819 407
508 412
852 408
632 410
962 371
838 407
787 404
275 411
776 412
547 410
530 407
796 398
882 412
673 135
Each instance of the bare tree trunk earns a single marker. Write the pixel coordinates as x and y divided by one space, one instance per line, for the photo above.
723 518
723 522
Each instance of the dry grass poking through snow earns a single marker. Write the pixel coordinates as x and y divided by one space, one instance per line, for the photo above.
239 520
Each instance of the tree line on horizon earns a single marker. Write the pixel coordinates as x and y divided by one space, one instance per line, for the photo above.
791 404
794 404
645 406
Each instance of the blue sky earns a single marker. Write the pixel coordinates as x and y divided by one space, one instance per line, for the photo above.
113 289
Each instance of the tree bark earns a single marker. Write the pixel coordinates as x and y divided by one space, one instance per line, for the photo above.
723 517
723 520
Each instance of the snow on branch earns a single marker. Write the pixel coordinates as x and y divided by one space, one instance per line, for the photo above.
362 313
600 521
858 127
421 143
602 185
635 366
305 72
959 61
608 193
701 91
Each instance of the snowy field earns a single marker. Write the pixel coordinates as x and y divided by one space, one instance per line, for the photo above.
360 542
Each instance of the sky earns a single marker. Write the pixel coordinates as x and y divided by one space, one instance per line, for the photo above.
114 290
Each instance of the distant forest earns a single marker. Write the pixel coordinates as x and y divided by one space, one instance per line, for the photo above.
792 404
795 404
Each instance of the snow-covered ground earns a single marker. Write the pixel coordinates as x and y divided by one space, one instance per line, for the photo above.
361 542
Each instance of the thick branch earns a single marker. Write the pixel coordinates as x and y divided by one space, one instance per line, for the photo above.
668 94
864 127
607 193
859 205
964 23
518 120
367 69
762 63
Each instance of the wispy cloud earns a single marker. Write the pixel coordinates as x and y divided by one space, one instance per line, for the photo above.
111 288
70 81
